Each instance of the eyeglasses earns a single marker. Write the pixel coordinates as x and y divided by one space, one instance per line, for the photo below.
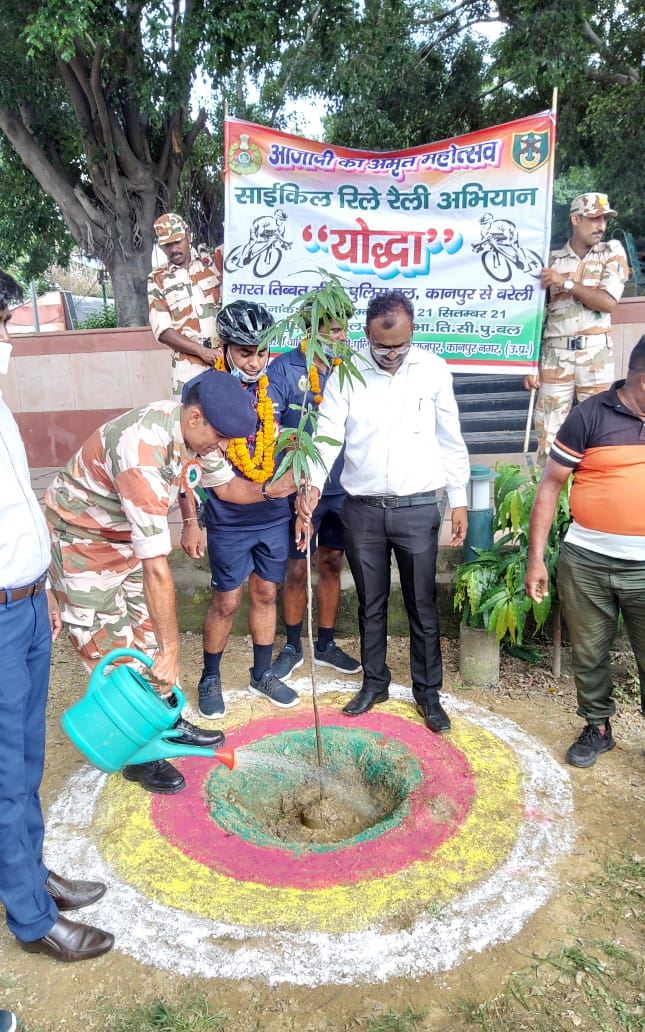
401 349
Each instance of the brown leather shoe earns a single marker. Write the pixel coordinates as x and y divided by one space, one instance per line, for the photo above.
69 941
72 895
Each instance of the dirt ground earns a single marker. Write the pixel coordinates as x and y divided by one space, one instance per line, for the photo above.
608 802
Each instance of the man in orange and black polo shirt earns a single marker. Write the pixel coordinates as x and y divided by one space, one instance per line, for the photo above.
602 559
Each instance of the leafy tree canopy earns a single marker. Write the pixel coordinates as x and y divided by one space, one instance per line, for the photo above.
101 133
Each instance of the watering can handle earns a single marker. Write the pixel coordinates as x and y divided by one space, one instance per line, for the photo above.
111 657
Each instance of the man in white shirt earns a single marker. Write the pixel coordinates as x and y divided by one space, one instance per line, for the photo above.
403 444
32 895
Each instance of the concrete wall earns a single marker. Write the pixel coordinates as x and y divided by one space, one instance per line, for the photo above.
61 386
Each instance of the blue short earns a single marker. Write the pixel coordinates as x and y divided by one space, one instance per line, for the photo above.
328 529
234 553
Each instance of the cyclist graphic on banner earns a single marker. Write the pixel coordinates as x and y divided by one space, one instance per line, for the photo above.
500 248
264 247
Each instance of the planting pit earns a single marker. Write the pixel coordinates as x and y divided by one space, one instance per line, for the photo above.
276 794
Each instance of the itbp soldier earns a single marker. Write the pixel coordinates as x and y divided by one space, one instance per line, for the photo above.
184 299
585 280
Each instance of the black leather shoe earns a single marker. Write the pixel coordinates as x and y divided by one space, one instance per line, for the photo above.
364 700
69 941
434 715
192 735
72 895
159 776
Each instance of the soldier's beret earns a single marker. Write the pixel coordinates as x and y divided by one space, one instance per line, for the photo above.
591 204
225 403
169 227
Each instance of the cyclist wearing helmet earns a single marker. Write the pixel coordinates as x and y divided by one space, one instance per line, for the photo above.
501 231
246 541
264 229
289 380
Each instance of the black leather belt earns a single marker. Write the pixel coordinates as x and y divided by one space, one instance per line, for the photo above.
397 501
30 591
577 343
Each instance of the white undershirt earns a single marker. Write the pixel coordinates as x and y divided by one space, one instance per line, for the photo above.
401 431
24 538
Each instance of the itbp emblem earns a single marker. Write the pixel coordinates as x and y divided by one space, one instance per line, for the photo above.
530 150
244 157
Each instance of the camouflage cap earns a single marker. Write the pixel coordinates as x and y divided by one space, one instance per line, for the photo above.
170 227
591 204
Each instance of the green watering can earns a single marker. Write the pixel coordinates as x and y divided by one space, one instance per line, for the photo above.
121 719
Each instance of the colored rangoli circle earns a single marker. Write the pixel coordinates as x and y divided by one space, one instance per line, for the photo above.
460 856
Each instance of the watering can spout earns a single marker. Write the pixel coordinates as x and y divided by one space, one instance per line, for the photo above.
227 757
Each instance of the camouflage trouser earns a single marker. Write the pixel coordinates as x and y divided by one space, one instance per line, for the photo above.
183 370
563 375
99 585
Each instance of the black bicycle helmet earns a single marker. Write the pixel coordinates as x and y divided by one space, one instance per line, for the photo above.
243 322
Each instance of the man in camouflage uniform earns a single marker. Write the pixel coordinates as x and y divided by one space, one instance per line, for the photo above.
585 280
184 299
108 511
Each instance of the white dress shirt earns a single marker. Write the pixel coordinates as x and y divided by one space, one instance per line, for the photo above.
401 431
24 538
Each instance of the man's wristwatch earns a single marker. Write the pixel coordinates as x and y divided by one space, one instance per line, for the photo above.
568 285
263 491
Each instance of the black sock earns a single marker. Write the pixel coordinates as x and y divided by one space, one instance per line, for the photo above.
294 634
211 663
261 659
325 637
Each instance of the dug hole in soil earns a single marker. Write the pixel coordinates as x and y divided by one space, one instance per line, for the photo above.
608 814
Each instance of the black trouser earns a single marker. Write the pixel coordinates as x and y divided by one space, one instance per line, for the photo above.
371 535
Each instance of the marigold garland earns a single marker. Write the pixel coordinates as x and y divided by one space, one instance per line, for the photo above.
260 466
314 376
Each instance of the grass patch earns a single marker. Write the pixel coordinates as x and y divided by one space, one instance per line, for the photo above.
192 1013
390 1021
594 985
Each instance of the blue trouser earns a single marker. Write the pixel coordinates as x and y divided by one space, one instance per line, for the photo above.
25 653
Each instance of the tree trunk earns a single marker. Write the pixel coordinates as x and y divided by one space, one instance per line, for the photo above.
129 276
128 258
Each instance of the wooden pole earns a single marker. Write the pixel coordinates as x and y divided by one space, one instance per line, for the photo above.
310 637
529 421
556 661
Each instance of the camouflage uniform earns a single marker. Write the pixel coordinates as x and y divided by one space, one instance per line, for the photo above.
185 300
565 372
108 509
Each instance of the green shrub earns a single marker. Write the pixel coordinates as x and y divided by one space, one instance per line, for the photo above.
489 591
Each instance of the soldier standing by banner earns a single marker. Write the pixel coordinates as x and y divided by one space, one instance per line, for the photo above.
184 299
585 280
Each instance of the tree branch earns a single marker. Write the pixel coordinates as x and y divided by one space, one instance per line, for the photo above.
191 136
624 75
296 57
78 97
443 14
58 187
105 123
596 75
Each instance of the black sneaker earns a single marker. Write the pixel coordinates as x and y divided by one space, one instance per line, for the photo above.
272 688
587 748
8 1021
334 657
287 661
211 700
